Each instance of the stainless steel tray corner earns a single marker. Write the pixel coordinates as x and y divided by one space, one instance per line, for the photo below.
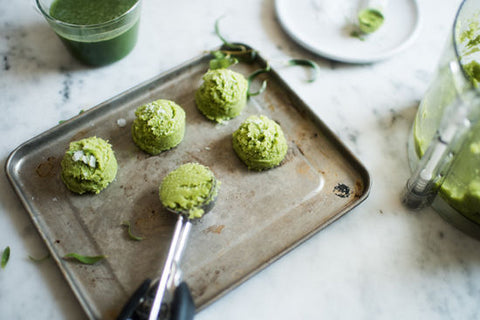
259 216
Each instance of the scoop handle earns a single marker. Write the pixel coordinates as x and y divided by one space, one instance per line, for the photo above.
135 300
183 307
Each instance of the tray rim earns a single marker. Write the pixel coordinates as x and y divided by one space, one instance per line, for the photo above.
16 156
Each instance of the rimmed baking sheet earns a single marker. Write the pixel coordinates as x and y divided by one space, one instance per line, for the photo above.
259 216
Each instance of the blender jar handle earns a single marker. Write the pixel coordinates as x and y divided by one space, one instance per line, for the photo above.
433 167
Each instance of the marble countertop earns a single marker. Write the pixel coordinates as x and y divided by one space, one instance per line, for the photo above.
380 261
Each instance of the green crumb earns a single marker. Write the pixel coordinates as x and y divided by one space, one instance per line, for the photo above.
472 69
357 34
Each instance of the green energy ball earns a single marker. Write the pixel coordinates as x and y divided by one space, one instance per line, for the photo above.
259 142
222 95
89 165
158 126
188 188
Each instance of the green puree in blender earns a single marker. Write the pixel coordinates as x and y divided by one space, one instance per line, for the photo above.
103 49
461 187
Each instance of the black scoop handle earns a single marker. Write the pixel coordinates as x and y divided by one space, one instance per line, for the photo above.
183 307
135 300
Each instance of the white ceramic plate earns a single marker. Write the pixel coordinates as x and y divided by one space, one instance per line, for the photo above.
324 27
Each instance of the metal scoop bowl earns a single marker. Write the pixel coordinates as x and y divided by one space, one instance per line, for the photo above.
171 296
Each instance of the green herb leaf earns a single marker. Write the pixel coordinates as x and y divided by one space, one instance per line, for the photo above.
84 259
234 50
225 41
218 54
252 77
130 233
5 256
262 88
307 63
243 54
358 34
221 60
39 259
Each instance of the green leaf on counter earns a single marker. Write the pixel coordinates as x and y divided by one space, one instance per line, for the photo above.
225 41
5 256
130 233
84 259
307 63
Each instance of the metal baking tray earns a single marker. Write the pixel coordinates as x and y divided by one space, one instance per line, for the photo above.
259 216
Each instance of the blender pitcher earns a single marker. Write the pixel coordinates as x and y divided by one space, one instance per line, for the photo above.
444 145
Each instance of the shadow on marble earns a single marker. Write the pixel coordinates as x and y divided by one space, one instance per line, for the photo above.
35 247
435 245
35 49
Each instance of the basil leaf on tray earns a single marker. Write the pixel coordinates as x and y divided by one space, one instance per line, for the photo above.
222 60
130 233
83 259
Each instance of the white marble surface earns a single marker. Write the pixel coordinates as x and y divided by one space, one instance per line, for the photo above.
378 262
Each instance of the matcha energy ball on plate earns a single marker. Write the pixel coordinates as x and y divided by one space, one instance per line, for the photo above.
222 95
158 126
259 142
188 188
89 165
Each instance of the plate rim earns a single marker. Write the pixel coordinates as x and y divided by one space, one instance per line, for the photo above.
340 58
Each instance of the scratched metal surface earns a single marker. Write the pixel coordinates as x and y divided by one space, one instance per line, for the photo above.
259 216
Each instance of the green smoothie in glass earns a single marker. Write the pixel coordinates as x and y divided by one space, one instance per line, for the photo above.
96 32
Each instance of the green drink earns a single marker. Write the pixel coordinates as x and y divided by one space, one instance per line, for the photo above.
95 32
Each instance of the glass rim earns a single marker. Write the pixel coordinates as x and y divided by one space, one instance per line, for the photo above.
86 26
454 38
